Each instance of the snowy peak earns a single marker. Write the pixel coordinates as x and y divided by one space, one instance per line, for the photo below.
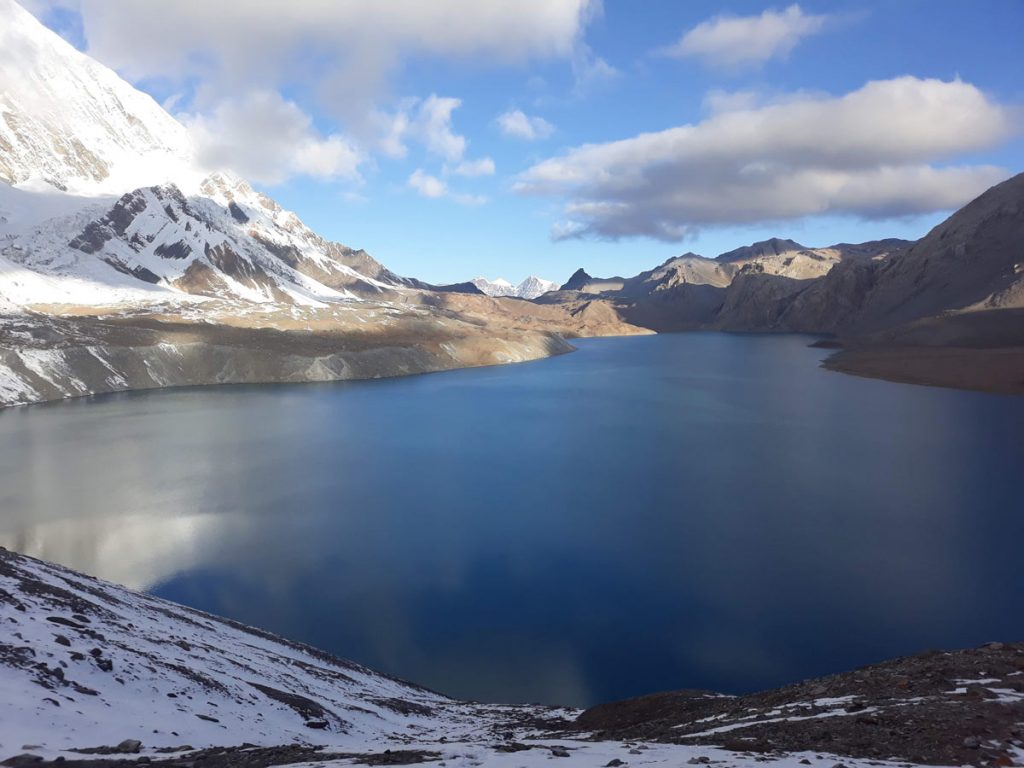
67 120
158 244
534 286
530 288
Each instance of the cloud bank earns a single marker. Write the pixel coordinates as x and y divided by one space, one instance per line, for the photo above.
874 153
336 57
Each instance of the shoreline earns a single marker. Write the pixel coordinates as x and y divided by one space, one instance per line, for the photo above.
998 371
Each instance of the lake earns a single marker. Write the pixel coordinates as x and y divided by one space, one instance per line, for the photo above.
679 511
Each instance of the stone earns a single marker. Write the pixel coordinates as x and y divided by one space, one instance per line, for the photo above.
559 752
613 763
129 746
26 758
972 742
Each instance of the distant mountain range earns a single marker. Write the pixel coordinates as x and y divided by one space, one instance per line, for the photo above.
530 288
124 264
946 309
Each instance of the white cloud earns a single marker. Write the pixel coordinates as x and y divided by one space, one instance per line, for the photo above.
427 121
267 139
482 167
737 41
340 55
518 124
433 187
870 153
427 185
346 50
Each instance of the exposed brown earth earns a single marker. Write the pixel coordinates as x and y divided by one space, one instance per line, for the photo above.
944 708
50 357
979 350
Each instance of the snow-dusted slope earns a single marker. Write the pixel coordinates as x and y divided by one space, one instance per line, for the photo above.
530 288
85 663
74 123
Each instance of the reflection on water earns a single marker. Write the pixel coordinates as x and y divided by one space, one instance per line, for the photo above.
696 510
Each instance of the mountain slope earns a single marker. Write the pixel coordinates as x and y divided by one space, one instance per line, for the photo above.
68 120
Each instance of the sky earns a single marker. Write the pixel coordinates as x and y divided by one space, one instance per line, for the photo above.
453 139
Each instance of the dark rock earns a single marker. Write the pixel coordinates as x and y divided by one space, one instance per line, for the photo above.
25 758
559 752
129 746
237 213
613 763
513 746
61 640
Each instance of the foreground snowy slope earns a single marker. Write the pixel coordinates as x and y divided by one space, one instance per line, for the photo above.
87 669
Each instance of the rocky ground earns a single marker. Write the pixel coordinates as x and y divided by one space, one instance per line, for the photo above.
49 355
943 708
981 350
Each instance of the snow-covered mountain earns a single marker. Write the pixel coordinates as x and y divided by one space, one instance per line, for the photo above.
227 242
530 288
103 205
123 266
67 120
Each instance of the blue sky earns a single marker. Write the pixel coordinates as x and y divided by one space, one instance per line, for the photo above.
352 85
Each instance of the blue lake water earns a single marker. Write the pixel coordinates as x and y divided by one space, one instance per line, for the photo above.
694 510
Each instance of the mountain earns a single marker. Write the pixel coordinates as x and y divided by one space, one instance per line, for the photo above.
764 248
123 266
534 286
943 309
499 287
530 288
71 122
